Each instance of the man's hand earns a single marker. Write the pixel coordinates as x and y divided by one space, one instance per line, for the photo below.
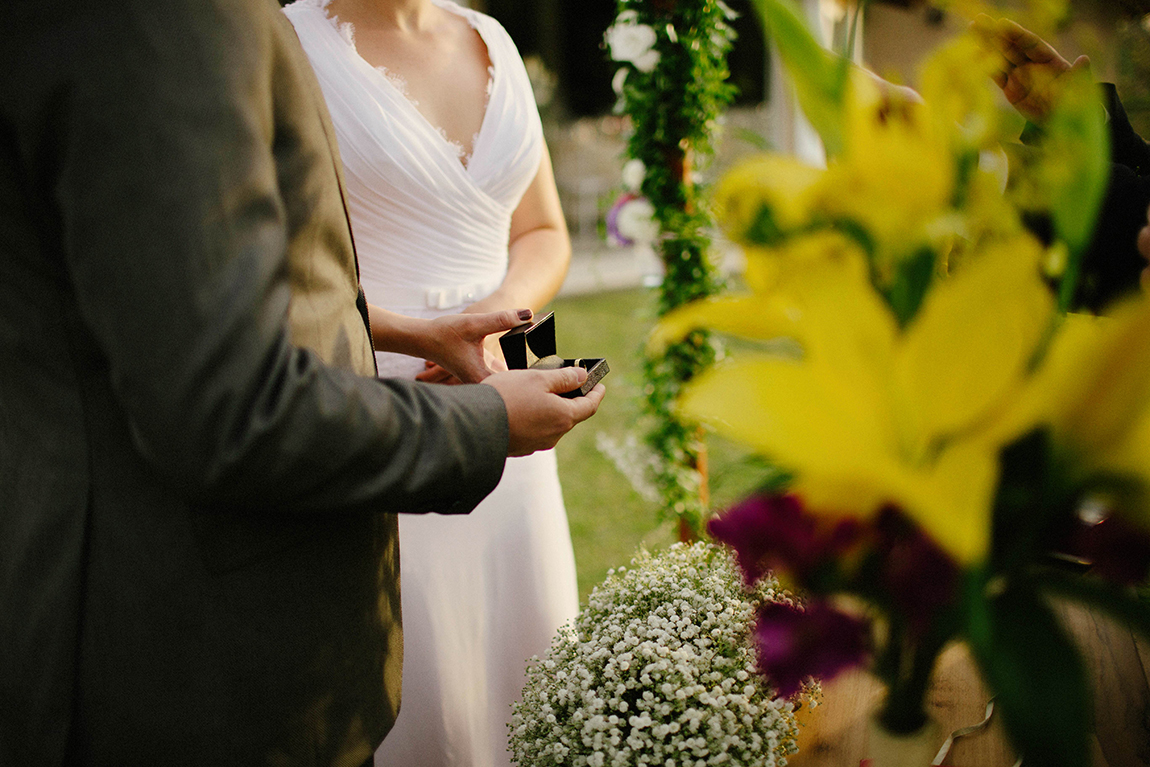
536 415
1030 71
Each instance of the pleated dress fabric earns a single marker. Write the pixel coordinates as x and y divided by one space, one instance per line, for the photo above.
482 593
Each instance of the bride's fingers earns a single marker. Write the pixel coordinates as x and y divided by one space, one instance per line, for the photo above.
434 374
497 322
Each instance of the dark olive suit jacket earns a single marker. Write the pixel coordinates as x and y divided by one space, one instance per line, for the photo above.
194 455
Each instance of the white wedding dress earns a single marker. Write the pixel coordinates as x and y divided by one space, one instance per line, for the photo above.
483 592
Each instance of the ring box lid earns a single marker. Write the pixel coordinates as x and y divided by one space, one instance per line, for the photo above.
527 344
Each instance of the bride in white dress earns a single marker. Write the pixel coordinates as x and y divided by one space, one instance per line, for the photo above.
453 208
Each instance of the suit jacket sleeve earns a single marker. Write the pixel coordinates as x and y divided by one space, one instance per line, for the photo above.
158 128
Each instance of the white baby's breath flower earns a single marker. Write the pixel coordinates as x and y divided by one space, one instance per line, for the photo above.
639 680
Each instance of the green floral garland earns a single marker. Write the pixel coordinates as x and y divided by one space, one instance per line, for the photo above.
672 82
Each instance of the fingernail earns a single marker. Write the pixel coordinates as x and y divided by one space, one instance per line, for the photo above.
525 314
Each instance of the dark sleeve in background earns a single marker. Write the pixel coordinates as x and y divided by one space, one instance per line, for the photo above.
1112 266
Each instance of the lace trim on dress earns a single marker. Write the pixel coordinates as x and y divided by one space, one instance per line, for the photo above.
347 31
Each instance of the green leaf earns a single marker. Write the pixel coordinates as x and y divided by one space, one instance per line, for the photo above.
1036 673
911 281
1077 164
1032 501
820 78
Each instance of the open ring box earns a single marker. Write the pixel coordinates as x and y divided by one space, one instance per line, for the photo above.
533 346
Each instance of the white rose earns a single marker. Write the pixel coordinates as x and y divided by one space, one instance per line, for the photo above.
634 171
647 62
618 80
637 221
629 42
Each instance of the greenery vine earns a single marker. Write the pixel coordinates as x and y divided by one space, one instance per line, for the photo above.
674 86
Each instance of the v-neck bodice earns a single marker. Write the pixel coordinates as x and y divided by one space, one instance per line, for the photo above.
396 81
423 222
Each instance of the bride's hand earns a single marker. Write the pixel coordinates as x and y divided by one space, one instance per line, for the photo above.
434 373
464 346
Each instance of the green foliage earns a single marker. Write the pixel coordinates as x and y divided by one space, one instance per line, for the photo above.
1037 674
820 78
911 282
1076 134
674 109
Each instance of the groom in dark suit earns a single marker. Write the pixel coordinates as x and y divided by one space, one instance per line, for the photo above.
194 454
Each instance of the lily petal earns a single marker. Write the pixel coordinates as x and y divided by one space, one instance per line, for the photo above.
1092 386
971 343
749 316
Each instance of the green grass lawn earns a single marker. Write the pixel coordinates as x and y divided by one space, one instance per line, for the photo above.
609 519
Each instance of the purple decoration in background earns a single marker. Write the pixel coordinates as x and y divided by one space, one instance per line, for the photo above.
1117 551
817 640
774 532
612 221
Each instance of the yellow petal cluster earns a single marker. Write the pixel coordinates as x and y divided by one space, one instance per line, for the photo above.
871 414
899 179
915 414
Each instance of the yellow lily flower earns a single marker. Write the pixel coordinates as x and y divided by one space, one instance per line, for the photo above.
874 415
1093 393
897 175
953 87
778 183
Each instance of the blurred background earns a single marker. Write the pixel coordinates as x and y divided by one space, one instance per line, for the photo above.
605 308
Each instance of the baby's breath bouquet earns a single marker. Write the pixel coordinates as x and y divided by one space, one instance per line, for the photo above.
659 668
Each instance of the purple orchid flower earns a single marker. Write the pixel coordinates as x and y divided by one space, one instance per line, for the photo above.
612 220
816 640
916 573
775 532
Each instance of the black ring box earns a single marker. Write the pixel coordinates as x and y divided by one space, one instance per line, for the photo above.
532 345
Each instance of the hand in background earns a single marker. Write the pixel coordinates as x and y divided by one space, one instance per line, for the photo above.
1030 70
536 415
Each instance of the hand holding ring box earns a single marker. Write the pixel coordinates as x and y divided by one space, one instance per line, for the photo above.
533 346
